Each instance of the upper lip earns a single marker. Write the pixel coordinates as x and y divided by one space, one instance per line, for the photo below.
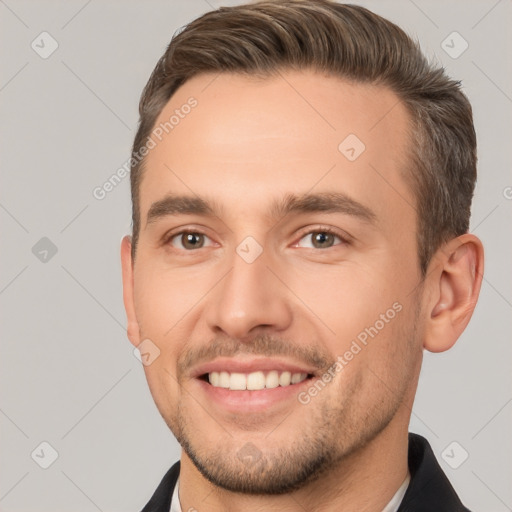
234 365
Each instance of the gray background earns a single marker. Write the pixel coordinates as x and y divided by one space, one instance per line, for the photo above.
68 374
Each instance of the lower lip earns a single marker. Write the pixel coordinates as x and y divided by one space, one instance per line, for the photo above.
252 401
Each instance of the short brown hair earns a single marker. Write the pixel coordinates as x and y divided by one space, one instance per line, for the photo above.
344 41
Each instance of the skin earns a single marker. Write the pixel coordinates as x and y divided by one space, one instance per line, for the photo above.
248 142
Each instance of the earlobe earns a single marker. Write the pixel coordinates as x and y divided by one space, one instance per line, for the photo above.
455 282
128 291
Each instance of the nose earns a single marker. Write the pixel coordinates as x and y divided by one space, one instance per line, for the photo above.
250 297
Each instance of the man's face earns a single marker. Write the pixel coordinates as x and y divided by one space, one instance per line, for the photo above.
311 302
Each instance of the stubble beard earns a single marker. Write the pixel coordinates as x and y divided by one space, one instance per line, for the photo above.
329 438
334 429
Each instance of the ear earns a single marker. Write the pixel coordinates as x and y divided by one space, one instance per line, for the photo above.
455 277
128 297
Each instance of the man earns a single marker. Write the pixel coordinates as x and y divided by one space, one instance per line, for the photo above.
302 181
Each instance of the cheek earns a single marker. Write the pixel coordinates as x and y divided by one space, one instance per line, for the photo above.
383 358
159 307
349 300
164 389
163 298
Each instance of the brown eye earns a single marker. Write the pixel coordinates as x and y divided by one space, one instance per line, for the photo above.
188 240
320 239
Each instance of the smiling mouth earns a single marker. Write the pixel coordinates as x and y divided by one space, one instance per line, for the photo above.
254 381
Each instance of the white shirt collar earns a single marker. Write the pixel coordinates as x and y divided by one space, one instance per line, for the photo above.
394 504
175 501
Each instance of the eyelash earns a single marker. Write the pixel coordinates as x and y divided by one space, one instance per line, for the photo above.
319 229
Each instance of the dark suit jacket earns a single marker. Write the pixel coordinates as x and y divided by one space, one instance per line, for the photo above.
429 490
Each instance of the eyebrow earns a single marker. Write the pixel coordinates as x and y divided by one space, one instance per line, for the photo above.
327 202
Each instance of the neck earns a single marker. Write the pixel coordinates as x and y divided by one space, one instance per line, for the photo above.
366 480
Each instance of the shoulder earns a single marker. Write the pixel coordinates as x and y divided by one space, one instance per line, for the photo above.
429 488
161 499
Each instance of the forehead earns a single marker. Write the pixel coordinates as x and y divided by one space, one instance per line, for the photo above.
243 140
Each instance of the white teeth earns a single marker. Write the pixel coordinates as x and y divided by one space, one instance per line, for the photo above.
238 381
224 380
254 381
272 380
214 379
298 377
285 378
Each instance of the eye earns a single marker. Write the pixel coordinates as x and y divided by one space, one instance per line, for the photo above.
320 239
189 240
